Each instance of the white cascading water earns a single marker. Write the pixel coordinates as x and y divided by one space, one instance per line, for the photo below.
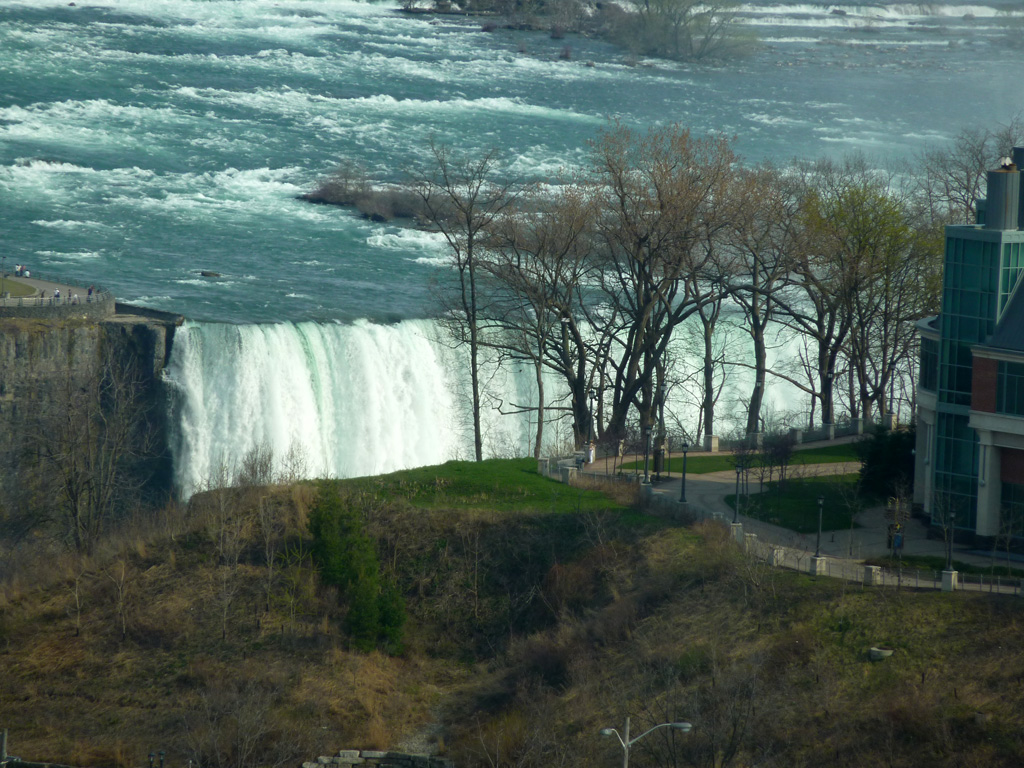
351 400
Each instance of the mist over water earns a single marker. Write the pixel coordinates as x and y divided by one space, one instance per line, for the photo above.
142 141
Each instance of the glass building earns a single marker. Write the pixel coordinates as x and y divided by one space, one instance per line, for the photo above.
969 470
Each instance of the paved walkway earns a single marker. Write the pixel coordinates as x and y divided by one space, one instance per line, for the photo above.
66 289
869 539
44 289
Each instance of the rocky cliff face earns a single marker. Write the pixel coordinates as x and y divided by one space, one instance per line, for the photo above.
44 360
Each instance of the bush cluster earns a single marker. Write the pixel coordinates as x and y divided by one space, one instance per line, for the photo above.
347 559
348 186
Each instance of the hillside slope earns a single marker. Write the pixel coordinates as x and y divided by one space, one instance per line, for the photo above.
537 615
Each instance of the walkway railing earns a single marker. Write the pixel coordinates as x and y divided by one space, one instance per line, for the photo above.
568 471
51 301
99 294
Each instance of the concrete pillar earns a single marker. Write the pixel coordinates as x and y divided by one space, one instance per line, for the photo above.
750 543
887 421
737 532
858 426
950 581
798 436
829 430
568 474
818 566
872 575
990 485
711 443
542 467
778 554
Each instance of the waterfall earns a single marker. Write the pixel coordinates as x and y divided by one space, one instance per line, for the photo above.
361 399
349 399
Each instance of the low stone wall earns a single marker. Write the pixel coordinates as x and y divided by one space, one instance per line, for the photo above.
377 759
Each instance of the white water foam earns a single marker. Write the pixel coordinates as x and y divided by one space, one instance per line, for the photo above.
408 241
354 400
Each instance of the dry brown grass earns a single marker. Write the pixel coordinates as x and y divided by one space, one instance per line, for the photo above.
623 493
652 626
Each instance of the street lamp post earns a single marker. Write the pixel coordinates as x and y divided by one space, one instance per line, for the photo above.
682 491
817 547
647 452
593 402
736 506
627 742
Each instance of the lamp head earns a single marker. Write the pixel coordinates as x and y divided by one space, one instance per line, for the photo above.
686 447
684 727
607 731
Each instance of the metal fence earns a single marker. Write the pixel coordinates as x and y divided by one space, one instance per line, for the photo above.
569 470
857 571
100 293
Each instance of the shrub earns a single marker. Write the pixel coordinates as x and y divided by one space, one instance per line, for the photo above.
347 559
348 186
888 457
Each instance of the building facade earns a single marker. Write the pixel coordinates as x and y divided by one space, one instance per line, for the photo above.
969 462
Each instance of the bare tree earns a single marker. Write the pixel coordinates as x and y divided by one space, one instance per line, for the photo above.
897 281
231 726
824 277
227 522
462 196
271 530
764 236
297 577
727 703
539 263
684 29
92 443
121 577
951 179
257 466
81 573
657 227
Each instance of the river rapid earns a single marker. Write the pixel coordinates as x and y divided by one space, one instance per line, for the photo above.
142 141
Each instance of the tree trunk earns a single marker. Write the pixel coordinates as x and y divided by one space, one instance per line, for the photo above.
760 366
708 404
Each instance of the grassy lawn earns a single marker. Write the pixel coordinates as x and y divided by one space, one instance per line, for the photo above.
795 506
719 462
502 485
17 289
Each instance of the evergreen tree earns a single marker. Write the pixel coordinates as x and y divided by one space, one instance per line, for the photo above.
347 559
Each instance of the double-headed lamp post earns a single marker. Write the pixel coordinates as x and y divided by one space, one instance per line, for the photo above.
682 491
627 742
